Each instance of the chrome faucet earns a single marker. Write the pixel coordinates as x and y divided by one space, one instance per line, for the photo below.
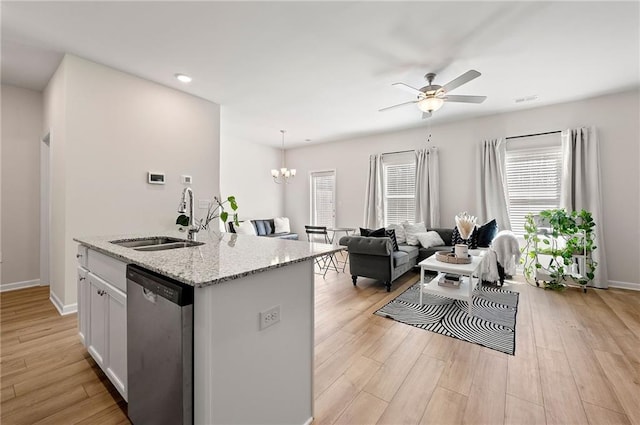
193 229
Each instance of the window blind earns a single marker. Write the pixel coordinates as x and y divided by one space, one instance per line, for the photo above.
399 193
322 198
533 182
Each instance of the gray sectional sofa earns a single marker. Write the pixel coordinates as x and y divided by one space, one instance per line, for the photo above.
266 227
374 257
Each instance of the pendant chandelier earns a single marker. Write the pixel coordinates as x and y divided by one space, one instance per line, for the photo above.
284 174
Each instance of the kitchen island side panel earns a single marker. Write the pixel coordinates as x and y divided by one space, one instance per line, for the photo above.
244 375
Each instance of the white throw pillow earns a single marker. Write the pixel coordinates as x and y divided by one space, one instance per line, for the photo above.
400 236
282 225
246 228
410 231
429 239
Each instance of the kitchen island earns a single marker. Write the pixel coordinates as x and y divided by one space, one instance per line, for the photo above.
242 373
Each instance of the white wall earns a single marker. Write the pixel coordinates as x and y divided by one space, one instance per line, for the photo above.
21 134
245 172
615 117
116 128
55 123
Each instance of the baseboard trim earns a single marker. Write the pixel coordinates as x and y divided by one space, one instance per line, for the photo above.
624 285
309 421
19 285
62 309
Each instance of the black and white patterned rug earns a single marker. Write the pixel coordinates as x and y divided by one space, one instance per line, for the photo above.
493 324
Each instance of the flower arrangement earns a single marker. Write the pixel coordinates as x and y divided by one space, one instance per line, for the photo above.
466 224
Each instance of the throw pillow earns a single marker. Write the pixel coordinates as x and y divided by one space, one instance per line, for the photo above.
260 227
429 239
391 234
267 227
472 242
246 228
378 233
486 233
410 231
400 236
282 225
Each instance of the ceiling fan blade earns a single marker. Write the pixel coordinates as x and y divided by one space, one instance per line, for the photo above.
466 99
426 115
408 88
463 79
395 106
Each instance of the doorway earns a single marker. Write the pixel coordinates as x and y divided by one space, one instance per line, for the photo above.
45 207
323 198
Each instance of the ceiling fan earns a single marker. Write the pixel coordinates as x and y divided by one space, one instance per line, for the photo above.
432 96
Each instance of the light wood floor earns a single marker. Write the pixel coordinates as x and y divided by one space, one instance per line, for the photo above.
577 362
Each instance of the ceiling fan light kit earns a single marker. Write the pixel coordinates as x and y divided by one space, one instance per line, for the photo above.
430 104
431 97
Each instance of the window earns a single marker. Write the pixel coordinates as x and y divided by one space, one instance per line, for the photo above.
399 183
323 188
533 178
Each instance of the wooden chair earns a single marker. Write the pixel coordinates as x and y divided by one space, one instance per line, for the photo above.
319 234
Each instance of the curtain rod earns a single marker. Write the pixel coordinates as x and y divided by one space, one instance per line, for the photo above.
391 153
411 150
531 135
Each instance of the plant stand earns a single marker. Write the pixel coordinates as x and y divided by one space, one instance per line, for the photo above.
558 249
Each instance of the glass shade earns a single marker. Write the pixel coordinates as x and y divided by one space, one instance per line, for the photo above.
274 173
429 104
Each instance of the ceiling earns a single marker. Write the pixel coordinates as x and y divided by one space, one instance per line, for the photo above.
321 70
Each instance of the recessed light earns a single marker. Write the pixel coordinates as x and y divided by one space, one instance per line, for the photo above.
183 78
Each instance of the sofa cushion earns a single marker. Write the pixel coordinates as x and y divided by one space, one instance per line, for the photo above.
293 236
260 229
391 234
377 233
399 229
429 239
246 228
445 234
268 226
400 258
411 250
486 233
411 230
281 225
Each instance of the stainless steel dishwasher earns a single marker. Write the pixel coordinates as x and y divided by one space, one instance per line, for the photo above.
159 349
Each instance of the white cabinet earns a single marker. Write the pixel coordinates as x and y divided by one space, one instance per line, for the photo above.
102 314
97 319
84 294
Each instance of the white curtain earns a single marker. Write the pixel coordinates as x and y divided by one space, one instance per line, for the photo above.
580 187
373 202
427 187
491 184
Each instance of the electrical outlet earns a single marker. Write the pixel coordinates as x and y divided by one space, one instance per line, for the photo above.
269 317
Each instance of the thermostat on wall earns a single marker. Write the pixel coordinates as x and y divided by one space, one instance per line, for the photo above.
155 178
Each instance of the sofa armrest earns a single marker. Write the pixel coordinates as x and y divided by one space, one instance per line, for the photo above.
367 245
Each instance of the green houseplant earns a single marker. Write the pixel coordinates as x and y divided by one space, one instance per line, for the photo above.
561 236
216 210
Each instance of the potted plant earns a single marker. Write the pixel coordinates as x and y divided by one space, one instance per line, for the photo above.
216 210
563 237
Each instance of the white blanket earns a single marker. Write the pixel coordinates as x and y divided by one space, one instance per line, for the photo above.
504 250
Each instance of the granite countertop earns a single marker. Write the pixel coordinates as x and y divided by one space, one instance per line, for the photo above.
223 257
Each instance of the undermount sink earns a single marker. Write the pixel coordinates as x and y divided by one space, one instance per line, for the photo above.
159 243
171 245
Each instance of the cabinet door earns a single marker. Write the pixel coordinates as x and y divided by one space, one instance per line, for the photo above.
97 319
117 340
84 298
